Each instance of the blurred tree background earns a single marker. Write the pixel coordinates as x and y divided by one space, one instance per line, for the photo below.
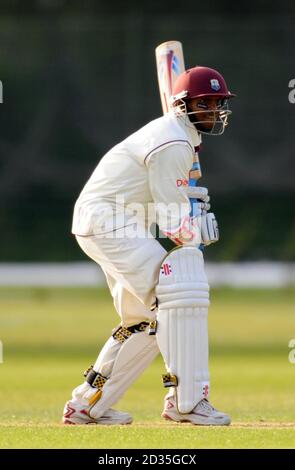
79 76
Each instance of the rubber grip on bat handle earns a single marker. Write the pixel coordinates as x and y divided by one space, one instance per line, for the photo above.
194 203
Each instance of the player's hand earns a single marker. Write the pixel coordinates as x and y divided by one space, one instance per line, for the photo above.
201 194
197 192
209 228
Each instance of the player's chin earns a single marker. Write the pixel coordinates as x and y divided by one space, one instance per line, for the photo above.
205 126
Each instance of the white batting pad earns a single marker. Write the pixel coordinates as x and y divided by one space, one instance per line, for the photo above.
182 328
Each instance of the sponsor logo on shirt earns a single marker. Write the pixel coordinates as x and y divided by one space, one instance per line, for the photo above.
181 182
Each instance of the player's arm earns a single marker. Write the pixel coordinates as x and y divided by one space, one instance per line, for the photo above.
168 173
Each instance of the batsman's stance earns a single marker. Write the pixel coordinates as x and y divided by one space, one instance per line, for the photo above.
162 298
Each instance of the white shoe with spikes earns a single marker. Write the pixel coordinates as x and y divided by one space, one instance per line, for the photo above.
203 414
78 414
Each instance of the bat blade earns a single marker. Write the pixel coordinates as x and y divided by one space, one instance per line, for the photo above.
170 64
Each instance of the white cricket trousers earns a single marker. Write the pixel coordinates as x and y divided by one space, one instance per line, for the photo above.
131 266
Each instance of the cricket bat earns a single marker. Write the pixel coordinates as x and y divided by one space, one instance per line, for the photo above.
170 64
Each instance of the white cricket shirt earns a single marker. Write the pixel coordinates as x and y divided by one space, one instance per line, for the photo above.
149 169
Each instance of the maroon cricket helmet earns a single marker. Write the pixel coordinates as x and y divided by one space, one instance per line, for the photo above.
198 82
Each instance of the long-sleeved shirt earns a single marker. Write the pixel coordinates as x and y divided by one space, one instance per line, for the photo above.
144 178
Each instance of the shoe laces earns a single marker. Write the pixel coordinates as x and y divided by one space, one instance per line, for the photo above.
204 405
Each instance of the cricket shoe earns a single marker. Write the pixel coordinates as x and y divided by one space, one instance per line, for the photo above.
202 414
78 414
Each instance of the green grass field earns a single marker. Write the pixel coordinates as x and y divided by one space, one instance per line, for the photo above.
51 335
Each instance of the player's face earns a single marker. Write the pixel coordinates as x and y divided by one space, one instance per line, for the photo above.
205 112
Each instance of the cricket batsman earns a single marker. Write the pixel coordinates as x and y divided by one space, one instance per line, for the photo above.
162 297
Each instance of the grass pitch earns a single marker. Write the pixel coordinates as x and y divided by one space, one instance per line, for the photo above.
51 335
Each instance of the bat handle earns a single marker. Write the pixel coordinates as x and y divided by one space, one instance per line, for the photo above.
195 211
